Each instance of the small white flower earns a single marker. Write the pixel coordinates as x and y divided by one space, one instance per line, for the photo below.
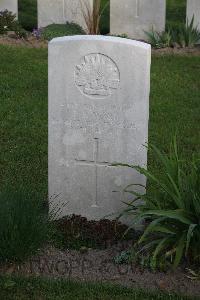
5 27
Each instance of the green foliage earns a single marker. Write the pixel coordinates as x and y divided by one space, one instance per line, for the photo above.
7 21
24 225
159 40
15 288
183 35
28 14
57 30
105 18
176 13
142 258
186 35
171 211
123 258
19 31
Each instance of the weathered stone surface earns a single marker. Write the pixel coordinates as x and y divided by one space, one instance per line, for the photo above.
98 115
133 17
193 9
10 5
60 12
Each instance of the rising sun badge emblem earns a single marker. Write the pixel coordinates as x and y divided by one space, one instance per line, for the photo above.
97 75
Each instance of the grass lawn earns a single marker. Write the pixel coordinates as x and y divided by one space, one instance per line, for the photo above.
174 107
23 129
21 289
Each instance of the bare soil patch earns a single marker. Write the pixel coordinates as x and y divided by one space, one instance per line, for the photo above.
98 265
30 42
178 51
33 42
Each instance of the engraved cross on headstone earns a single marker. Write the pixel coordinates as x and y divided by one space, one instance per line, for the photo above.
137 8
95 163
63 9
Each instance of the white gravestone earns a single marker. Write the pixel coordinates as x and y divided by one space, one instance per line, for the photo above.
193 9
98 115
10 5
61 11
133 17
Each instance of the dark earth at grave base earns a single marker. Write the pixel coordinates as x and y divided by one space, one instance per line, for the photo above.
76 232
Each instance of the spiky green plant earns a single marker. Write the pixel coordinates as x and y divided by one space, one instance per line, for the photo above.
24 226
188 35
172 211
185 35
159 39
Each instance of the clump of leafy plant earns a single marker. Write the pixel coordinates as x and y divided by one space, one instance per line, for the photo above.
19 31
24 225
171 211
123 258
57 30
140 256
160 40
184 35
7 21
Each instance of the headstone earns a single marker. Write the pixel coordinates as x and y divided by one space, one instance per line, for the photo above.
10 5
61 11
98 115
133 17
193 9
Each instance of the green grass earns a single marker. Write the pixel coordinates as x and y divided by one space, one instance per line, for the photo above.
174 103
174 107
23 132
17 288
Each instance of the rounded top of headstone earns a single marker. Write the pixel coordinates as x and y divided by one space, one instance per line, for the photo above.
102 38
